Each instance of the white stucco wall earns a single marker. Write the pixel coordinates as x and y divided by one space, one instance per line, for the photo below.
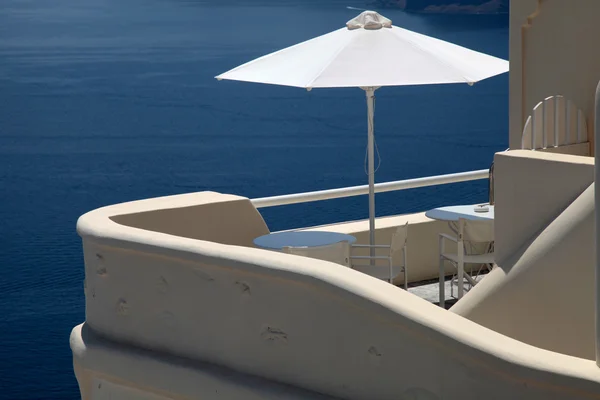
552 51
303 322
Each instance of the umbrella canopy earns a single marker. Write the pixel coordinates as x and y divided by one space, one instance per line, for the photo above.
369 53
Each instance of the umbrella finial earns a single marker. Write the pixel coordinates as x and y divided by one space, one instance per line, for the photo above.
369 20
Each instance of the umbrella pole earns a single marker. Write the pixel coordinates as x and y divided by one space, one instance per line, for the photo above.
370 93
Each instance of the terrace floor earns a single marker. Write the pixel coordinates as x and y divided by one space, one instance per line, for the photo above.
430 290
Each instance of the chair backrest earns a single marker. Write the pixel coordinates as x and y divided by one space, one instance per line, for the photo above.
478 231
399 238
338 253
556 124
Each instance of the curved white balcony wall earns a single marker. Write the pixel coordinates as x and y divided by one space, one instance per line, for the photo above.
303 322
109 370
220 218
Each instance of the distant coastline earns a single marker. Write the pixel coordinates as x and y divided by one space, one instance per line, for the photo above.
448 6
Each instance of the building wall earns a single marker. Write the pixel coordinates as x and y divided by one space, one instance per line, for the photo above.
553 50
532 189
542 290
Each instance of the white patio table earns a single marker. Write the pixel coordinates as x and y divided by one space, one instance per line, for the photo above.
453 213
329 246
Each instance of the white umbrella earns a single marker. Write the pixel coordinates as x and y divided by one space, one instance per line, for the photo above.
369 53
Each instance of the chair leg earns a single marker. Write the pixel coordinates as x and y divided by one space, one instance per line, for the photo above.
405 269
442 284
470 279
461 269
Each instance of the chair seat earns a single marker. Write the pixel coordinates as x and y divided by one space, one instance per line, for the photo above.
378 271
487 258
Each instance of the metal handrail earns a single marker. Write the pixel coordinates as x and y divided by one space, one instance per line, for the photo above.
364 189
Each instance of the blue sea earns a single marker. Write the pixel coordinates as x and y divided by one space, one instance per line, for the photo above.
106 101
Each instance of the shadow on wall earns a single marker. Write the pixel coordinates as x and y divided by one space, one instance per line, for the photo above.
541 291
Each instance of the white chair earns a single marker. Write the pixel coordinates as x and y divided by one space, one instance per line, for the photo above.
338 253
385 272
469 233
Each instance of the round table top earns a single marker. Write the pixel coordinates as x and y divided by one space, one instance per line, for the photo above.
453 213
279 240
